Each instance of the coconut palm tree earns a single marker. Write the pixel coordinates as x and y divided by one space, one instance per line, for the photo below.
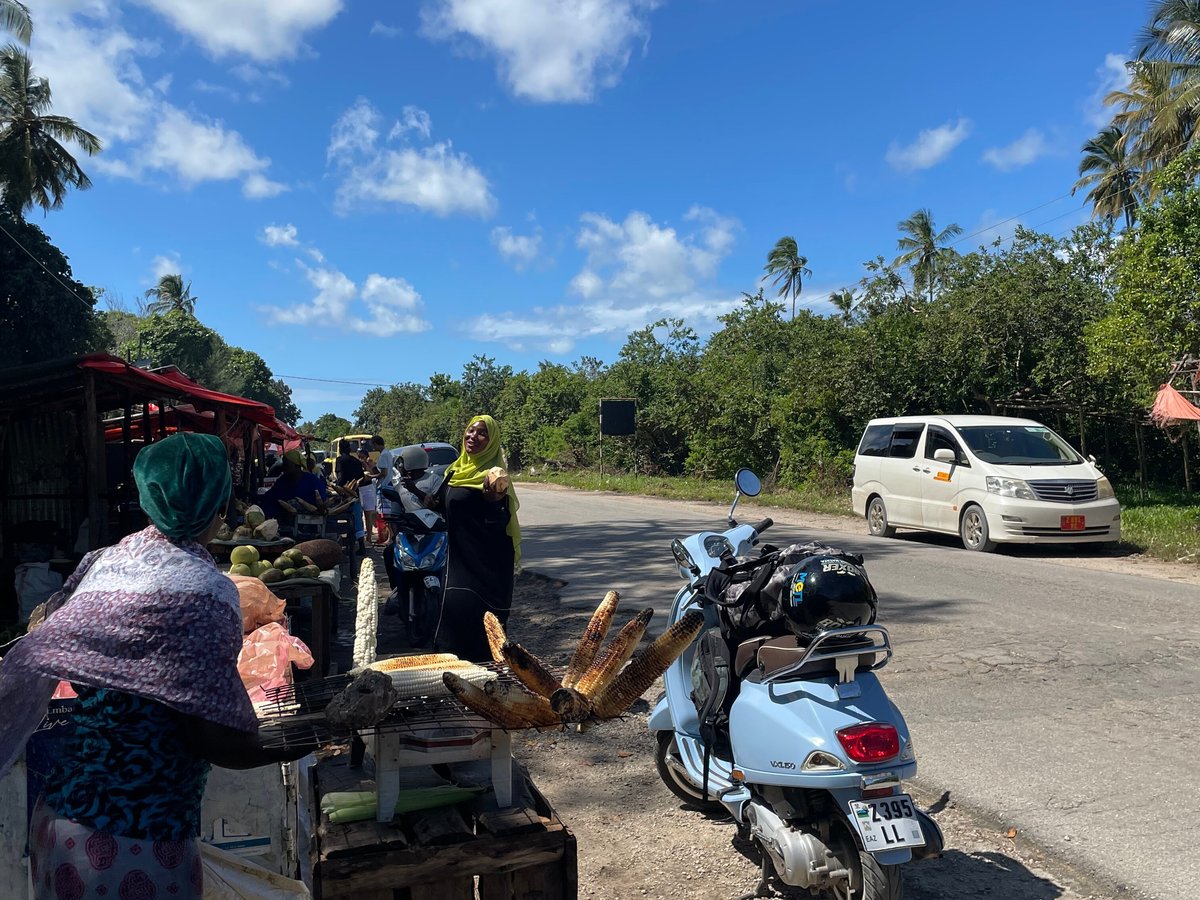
171 293
844 302
1173 32
1158 111
35 167
1108 170
789 268
14 18
924 249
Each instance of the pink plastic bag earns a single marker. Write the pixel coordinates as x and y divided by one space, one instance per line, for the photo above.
259 605
268 653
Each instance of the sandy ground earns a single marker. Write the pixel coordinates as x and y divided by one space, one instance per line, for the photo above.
637 840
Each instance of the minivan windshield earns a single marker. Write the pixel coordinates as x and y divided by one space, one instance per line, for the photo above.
1019 445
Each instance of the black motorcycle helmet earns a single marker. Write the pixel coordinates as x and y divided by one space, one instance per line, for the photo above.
823 592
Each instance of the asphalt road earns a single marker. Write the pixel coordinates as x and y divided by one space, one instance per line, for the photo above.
1061 701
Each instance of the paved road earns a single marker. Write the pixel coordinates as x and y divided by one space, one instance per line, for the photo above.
1062 701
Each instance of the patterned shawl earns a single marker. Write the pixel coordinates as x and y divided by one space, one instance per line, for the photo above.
147 616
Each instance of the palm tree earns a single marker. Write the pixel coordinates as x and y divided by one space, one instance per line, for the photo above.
844 302
1173 33
14 18
789 268
35 167
925 249
1158 112
171 293
1107 169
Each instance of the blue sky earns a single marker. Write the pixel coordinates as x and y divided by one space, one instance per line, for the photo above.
378 191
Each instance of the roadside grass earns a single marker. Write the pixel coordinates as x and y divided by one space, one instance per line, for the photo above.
1161 524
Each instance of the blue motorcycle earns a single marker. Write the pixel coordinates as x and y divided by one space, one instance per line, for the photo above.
418 561
775 713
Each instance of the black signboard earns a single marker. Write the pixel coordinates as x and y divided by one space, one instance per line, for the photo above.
616 416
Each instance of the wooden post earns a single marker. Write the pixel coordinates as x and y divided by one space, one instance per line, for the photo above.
1141 450
1187 470
97 470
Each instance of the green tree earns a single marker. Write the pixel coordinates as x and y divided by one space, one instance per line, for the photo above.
14 18
844 301
171 294
924 249
177 339
327 427
35 166
1157 118
44 312
482 383
1107 170
788 268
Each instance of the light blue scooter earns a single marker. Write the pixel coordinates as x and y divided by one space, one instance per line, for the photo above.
809 755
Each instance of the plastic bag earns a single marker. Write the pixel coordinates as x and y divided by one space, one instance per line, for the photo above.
229 877
259 605
35 584
266 659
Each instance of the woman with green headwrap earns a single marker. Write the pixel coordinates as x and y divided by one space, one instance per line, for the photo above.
148 633
484 541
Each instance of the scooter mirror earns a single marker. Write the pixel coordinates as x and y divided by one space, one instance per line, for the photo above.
747 482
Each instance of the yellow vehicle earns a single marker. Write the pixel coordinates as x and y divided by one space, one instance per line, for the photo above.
357 442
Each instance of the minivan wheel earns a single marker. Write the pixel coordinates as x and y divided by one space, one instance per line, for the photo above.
973 529
877 520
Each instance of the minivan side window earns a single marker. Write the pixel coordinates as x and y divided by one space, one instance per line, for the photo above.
905 439
940 439
875 440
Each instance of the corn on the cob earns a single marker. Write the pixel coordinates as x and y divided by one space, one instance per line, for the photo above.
648 665
593 636
530 670
495 636
570 705
615 655
413 661
508 706
428 682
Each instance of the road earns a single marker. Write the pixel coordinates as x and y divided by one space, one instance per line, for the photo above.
1060 701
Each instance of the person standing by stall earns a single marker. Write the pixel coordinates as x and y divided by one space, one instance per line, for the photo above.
368 498
148 632
348 473
484 542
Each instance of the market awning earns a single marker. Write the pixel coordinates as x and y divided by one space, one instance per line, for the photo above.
1172 408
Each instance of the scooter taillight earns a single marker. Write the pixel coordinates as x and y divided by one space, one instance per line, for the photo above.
870 743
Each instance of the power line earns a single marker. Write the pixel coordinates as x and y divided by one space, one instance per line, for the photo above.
335 381
66 287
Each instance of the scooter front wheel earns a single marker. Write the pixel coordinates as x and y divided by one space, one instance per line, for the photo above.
670 770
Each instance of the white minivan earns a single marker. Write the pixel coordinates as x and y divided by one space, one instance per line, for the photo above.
988 479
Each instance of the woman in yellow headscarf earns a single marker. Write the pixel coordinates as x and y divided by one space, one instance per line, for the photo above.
484 540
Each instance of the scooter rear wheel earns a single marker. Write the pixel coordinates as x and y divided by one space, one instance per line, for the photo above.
868 879
666 758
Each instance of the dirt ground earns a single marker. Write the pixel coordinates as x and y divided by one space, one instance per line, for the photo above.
636 840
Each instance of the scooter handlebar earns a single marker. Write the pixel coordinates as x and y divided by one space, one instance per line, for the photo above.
760 527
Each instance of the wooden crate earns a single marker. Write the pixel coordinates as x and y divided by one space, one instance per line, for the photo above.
516 854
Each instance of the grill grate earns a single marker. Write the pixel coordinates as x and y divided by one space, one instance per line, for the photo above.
294 716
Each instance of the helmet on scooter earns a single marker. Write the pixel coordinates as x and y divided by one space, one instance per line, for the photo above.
823 592
414 459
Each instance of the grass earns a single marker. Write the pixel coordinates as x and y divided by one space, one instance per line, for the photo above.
1162 524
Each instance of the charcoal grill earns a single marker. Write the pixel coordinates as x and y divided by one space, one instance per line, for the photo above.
418 732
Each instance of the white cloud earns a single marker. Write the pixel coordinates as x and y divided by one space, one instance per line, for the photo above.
1111 76
165 265
1024 150
393 305
383 30
280 235
548 50
635 272
519 250
931 147
434 178
258 186
251 74
260 29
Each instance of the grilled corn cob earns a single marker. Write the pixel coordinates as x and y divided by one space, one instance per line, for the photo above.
593 636
495 636
427 682
648 665
416 660
531 671
507 705
615 655
570 705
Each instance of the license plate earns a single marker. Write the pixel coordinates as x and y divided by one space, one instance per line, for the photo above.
887 823
1072 523
432 582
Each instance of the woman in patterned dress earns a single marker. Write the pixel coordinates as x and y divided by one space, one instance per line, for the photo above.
148 632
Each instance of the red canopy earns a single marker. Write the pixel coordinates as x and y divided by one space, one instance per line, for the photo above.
1172 408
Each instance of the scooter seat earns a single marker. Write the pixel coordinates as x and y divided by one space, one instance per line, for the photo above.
774 654
746 656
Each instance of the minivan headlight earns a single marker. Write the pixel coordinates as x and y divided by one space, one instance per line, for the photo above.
1104 488
1009 487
